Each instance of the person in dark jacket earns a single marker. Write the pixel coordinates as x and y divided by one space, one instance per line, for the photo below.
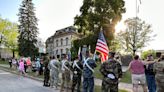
150 75
77 72
46 72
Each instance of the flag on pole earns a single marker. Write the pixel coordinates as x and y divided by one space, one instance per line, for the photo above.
102 47
79 54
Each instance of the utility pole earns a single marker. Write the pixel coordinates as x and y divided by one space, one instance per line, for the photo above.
135 29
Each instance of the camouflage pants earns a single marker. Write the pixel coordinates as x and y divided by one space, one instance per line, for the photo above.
54 78
106 87
160 86
65 81
88 85
159 82
76 80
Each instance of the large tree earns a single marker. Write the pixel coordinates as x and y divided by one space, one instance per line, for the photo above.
136 35
9 34
28 29
99 14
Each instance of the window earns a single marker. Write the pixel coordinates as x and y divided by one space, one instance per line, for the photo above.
66 41
56 43
56 52
61 51
61 42
67 50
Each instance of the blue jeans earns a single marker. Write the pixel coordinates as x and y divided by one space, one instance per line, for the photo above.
88 85
151 82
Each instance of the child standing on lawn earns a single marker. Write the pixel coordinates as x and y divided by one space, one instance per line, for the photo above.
21 67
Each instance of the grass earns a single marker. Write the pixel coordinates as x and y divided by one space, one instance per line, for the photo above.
4 62
126 78
98 89
97 72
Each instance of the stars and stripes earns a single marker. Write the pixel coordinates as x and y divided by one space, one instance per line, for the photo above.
102 47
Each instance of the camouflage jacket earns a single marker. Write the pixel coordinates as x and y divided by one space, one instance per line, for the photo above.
159 70
113 67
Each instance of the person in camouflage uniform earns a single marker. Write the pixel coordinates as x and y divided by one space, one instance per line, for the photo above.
159 70
111 70
66 70
54 67
77 72
46 72
88 66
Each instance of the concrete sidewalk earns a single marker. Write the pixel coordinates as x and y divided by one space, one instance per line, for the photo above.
98 82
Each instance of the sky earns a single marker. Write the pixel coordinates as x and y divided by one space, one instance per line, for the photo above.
57 14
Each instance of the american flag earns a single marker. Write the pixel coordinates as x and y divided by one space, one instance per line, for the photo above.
102 47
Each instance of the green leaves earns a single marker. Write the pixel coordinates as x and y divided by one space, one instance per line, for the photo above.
97 15
136 36
9 34
28 29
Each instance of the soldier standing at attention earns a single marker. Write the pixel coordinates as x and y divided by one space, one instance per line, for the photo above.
54 66
66 77
46 72
77 72
111 70
159 70
88 66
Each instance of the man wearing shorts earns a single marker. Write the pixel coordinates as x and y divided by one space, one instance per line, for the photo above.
136 67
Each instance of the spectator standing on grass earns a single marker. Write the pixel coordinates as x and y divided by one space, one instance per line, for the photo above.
159 70
14 63
41 67
21 67
112 72
136 67
88 68
54 66
10 62
29 65
37 66
25 64
150 75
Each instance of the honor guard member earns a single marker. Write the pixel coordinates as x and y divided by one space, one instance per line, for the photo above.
77 72
111 70
46 72
66 76
88 69
54 66
159 70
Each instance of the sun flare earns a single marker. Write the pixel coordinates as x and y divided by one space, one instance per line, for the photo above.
120 27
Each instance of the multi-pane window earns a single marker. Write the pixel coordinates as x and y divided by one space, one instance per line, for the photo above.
61 42
56 43
66 41
61 51
56 52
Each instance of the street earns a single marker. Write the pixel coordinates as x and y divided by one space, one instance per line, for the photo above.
14 83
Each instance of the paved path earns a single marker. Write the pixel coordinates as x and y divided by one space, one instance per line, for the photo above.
14 83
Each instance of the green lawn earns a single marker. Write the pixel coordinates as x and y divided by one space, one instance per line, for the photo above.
4 62
126 77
